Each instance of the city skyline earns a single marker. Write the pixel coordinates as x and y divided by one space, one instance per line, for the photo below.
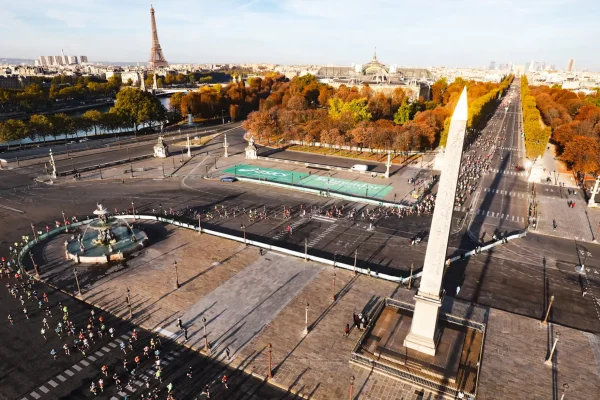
307 31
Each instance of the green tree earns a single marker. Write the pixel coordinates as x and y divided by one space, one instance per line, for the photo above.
358 108
39 126
93 119
403 115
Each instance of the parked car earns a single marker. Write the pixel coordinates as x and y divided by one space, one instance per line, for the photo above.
228 179
83 140
360 167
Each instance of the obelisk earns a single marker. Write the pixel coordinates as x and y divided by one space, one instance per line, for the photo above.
423 335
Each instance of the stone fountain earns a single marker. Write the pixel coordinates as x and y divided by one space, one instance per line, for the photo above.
109 238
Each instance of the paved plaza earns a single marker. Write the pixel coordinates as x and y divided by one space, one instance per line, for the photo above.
250 301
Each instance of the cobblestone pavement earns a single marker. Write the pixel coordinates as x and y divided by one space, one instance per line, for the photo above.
580 222
316 365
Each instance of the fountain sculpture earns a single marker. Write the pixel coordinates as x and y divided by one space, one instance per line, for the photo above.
112 238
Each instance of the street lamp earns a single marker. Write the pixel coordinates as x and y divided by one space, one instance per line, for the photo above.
34 234
65 221
77 282
351 386
133 209
545 321
243 227
333 289
37 274
565 388
306 320
549 360
176 275
270 373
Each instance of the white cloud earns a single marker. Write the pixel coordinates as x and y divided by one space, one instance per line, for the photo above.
72 19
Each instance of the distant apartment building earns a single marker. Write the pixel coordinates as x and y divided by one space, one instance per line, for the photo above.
53 61
570 65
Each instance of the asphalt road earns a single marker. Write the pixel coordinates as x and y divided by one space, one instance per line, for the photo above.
105 141
500 203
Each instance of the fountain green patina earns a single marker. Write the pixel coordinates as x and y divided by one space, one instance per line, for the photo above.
110 238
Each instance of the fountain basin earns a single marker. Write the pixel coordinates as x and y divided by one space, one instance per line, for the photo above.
96 252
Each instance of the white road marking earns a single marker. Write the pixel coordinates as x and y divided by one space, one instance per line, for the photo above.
44 389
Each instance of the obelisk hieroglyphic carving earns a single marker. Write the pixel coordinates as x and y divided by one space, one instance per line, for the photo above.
423 333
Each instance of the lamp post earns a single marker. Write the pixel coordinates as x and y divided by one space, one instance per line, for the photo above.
333 288
133 209
565 388
351 386
243 227
129 301
205 335
176 275
65 221
549 360
545 321
306 319
270 372
37 274
34 234
77 282
305 249
199 223
410 277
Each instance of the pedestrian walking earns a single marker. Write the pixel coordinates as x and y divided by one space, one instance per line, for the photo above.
185 335
45 297
48 311
152 344
53 354
66 349
101 384
130 344
137 360
122 345
93 388
22 300
179 323
125 364
457 290
228 353
146 351
43 332
170 387
158 375
355 319
224 381
157 354
10 319
134 335
189 373
347 330
25 312
112 332
105 370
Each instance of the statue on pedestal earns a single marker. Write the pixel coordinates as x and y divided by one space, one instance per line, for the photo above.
251 150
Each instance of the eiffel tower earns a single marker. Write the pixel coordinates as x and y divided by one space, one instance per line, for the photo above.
157 59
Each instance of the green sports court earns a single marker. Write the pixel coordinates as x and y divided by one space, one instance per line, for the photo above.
314 181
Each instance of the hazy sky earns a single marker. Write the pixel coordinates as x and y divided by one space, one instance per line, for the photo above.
418 33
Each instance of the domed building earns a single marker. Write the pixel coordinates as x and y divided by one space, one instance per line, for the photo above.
380 77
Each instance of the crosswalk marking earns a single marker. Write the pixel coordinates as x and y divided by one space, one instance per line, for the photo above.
106 349
61 378
52 383
77 367
113 345
92 358
492 214
35 395
44 389
85 363
69 372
